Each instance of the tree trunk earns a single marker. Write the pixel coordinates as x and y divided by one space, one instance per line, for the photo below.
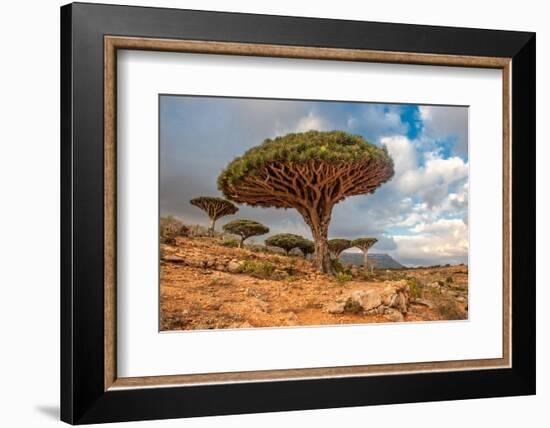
211 228
321 256
365 262
318 219
241 242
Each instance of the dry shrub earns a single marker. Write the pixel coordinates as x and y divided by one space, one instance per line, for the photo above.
258 269
450 311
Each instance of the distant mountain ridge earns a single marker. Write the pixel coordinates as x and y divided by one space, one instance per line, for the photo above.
379 261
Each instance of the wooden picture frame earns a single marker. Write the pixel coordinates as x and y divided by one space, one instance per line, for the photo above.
91 390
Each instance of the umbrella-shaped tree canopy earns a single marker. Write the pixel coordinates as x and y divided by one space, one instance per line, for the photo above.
286 241
364 245
310 172
215 208
336 246
245 229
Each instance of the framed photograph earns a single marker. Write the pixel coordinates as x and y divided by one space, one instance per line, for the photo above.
265 213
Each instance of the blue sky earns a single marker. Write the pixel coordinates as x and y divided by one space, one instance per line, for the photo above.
419 217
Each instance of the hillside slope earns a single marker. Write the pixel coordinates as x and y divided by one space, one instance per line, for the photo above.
206 285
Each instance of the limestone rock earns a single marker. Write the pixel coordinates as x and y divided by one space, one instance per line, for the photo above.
394 315
336 308
234 266
173 259
375 301
367 299
424 302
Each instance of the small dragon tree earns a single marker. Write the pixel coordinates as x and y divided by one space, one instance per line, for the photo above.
336 246
245 229
310 172
364 245
307 247
286 241
215 208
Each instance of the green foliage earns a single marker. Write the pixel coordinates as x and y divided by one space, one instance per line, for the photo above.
343 277
245 228
333 146
353 307
449 280
336 246
415 286
364 243
258 269
230 243
286 241
340 269
337 265
306 246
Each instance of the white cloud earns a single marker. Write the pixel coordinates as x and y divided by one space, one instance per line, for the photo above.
445 240
432 180
402 152
311 122
308 122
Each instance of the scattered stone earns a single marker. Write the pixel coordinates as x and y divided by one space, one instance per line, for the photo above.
279 275
234 266
251 292
291 317
395 294
461 299
424 302
336 308
173 259
394 315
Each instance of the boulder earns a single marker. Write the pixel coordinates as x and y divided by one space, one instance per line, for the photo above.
366 299
393 315
393 297
234 266
173 259
336 308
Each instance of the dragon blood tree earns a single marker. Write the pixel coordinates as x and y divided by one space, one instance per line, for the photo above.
307 247
310 172
245 229
364 245
286 241
215 208
336 246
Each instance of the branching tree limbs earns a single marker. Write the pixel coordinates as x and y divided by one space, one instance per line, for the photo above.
336 246
364 245
310 172
245 229
215 208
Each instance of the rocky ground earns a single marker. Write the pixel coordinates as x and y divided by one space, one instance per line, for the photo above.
206 284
